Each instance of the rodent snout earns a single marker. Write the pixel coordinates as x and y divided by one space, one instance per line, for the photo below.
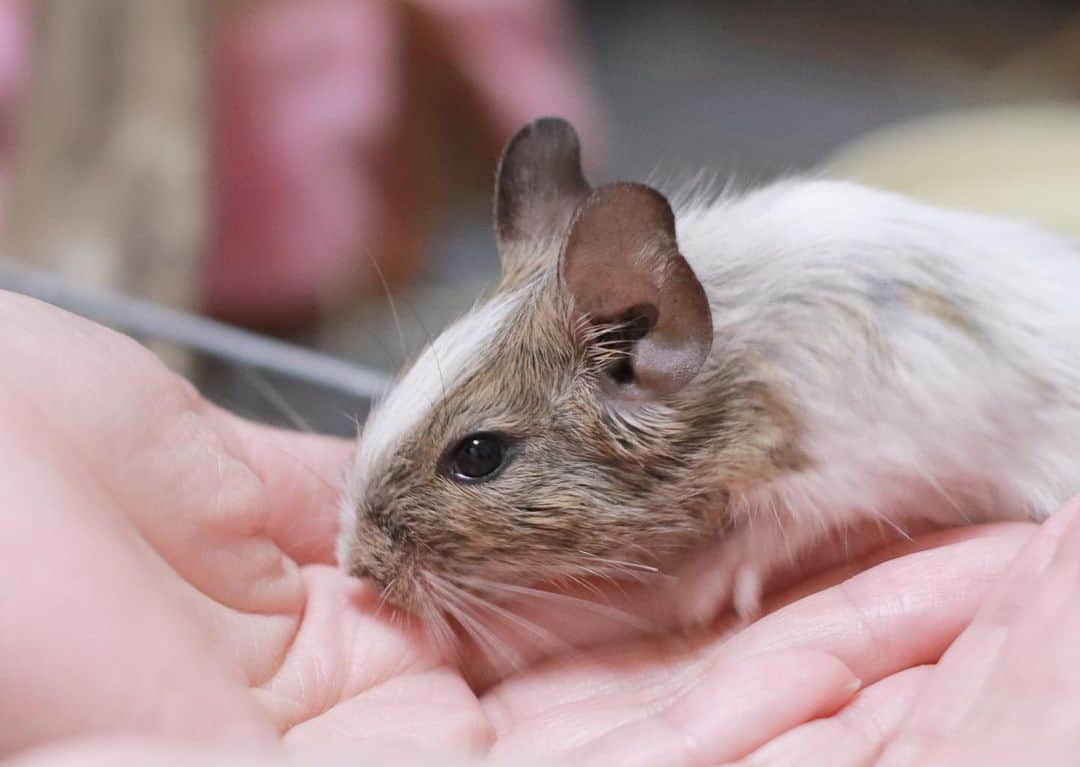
385 560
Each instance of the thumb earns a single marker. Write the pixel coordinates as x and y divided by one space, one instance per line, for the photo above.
303 475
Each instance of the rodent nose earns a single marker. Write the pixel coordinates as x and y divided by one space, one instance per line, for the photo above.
358 570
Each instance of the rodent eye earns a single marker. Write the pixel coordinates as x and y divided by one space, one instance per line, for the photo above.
478 456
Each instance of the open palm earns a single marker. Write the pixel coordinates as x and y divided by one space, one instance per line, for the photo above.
167 573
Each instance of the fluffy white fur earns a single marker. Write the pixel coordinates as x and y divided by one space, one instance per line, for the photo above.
907 417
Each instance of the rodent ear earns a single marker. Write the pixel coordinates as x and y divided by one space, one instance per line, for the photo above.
622 266
539 185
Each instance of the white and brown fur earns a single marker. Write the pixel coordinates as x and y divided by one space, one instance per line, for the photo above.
868 358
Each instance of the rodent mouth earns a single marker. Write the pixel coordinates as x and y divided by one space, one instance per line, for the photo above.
401 585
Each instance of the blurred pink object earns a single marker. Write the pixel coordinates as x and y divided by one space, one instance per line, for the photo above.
523 58
314 170
14 47
303 96
309 97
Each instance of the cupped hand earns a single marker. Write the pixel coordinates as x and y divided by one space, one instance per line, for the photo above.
167 574
1006 692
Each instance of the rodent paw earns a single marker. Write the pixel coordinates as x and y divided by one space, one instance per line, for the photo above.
717 581
747 593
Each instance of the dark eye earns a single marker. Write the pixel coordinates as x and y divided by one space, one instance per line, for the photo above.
478 456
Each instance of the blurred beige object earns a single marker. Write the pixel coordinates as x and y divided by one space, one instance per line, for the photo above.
1022 162
108 184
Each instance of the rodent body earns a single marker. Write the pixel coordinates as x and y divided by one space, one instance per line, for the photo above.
770 368
927 361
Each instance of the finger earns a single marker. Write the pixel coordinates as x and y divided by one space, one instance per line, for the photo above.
730 711
130 751
589 617
1039 665
92 635
346 646
1043 651
1013 594
896 550
420 709
899 614
138 752
958 683
852 737
303 475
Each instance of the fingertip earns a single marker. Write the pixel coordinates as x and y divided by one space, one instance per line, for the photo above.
854 735
765 696
1066 522
302 477
1058 542
1056 539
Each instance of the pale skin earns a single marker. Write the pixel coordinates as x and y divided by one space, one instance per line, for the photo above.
167 577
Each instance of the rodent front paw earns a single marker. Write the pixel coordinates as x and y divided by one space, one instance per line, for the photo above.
717 580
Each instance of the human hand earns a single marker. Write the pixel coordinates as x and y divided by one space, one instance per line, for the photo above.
167 577
1007 691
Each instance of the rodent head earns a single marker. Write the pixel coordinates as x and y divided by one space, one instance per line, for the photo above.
557 424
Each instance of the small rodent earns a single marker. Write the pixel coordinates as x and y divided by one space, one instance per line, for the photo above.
767 368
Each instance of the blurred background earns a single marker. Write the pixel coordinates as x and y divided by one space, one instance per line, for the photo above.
321 170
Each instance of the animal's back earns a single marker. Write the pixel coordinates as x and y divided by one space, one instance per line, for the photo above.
929 356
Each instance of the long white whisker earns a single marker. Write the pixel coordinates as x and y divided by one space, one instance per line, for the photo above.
895 526
771 502
270 393
382 597
622 564
436 623
946 495
548 639
583 583
428 341
393 307
485 637
556 598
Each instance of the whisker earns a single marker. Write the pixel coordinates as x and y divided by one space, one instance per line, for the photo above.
542 634
614 575
486 638
393 307
583 583
596 608
334 489
616 572
891 523
622 564
273 396
945 494
771 502
427 341
382 597
436 624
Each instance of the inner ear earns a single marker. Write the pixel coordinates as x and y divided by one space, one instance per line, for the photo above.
650 315
617 338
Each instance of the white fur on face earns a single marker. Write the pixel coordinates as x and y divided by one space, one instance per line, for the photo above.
457 353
